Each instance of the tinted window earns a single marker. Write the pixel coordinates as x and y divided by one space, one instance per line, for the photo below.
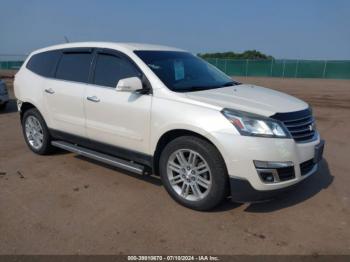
184 72
110 69
44 63
74 67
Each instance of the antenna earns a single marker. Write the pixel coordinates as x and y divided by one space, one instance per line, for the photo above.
66 39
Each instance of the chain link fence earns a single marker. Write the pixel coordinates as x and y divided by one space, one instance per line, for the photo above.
234 67
11 62
284 68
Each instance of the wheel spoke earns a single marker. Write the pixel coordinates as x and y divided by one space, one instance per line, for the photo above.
35 142
175 167
28 129
41 136
32 125
192 158
196 191
203 182
203 171
176 180
202 168
181 158
37 125
29 136
185 190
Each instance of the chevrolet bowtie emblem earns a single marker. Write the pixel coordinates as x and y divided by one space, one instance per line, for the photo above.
311 127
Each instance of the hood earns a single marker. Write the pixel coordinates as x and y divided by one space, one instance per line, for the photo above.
250 98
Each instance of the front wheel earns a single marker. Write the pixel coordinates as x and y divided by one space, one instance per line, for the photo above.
194 173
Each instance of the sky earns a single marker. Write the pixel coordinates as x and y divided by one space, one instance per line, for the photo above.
295 29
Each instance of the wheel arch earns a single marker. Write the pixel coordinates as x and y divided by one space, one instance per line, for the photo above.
25 107
171 135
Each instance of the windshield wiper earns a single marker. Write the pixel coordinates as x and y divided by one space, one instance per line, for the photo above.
193 88
201 88
232 83
227 84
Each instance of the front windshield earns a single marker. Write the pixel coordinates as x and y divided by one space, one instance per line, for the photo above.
184 72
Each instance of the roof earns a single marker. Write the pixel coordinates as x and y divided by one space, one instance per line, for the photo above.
112 45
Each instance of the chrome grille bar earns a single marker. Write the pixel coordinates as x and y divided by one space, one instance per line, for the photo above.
300 124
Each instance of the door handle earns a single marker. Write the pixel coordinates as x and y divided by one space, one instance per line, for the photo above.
50 91
93 99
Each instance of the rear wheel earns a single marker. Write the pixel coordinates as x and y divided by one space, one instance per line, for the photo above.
194 173
35 132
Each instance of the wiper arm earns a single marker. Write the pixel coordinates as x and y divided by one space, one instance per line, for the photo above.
194 88
232 83
228 84
201 88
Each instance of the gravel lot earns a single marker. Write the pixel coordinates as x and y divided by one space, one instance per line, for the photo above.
67 204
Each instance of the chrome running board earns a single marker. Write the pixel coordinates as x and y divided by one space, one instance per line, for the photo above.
107 159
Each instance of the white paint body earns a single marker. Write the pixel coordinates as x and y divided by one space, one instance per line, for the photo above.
137 122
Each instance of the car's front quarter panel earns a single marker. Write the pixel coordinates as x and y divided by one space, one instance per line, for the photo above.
238 151
175 114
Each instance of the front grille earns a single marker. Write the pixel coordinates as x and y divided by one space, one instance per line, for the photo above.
300 124
306 167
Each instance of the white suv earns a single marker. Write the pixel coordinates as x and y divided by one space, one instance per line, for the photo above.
163 111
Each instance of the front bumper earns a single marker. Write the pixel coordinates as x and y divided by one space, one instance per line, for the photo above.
242 191
240 153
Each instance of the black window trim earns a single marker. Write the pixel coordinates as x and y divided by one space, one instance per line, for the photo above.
107 51
54 67
75 50
94 51
79 50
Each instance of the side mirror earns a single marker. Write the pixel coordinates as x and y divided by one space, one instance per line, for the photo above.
129 84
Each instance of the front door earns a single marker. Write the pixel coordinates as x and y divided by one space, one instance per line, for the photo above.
116 118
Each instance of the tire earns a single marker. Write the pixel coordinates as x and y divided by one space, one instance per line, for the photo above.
3 106
34 116
185 191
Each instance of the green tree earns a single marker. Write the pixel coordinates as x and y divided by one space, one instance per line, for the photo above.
249 54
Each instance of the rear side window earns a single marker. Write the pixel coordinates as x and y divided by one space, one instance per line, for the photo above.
44 63
111 68
74 67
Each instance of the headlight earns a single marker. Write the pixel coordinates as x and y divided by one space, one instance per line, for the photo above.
254 125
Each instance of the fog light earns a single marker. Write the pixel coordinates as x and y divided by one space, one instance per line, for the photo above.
267 176
273 172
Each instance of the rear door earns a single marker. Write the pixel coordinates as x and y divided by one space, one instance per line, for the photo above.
120 119
64 95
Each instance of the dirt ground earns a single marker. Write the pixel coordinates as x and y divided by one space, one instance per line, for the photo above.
66 204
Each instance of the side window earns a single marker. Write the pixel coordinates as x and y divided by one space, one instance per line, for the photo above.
74 67
44 63
110 69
